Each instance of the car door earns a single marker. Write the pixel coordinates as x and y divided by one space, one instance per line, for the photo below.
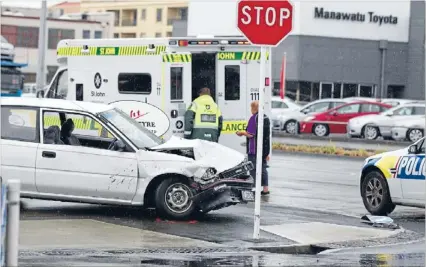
411 172
19 142
86 171
338 119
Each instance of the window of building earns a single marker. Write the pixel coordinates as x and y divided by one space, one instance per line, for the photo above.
18 123
305 90
176 86
367 108
142 34
116 35
350 90
169 34
98 34
128 35
134 83
183 13
159 14
353 108
366 90
56 35
61 12
21 36
143 14
232 82
9 32
158 34
86 34
337 92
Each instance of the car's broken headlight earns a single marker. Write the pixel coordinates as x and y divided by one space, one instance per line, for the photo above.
209 174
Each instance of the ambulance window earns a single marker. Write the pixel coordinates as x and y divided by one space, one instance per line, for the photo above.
134 83
176 91
232 82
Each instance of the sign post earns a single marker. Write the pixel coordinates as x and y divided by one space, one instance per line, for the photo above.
265 24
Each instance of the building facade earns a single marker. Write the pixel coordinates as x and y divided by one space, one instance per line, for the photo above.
23 33
138 19
337 48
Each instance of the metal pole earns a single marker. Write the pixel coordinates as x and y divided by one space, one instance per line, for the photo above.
259 145
41 75
382 74
12 226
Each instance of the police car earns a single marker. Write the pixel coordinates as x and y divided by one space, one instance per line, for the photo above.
394 178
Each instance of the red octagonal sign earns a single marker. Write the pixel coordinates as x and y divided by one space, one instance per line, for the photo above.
265 22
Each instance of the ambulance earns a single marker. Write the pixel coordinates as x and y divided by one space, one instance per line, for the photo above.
154 80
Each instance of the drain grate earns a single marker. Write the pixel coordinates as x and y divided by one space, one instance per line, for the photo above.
191 250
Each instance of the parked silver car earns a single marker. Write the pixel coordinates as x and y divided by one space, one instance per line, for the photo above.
409 129
289 121
373 126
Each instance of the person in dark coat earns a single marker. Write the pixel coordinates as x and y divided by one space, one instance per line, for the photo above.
251 145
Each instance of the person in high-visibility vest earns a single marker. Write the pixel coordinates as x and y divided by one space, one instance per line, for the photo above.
203 119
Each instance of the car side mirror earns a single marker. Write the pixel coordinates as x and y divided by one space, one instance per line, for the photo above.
120 145
306 111
333 113
412 149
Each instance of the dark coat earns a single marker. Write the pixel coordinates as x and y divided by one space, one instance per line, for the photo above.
266 137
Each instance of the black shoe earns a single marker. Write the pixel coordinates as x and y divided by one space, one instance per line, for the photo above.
264 193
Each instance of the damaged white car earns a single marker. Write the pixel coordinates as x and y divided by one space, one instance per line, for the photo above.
94 153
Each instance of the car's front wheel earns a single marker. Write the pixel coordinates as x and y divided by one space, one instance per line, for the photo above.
320 130
375 194
414 135
173 199
371 132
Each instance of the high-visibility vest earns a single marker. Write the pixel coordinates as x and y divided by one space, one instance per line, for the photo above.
207 113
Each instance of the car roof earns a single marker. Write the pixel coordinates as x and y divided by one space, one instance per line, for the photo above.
55 104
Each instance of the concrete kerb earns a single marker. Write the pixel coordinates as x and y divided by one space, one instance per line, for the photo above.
279 151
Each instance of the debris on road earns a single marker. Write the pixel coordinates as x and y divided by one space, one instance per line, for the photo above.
380 221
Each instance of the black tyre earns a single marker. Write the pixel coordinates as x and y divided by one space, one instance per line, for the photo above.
371 132
291 127
414 135
375 194
320 129
172 199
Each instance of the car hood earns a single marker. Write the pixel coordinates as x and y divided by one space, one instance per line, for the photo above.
399 152
205 153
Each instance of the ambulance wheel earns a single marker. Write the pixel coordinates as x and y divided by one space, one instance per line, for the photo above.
320 129
375 194
173 199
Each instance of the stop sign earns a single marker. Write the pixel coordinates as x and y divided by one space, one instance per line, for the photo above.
265 22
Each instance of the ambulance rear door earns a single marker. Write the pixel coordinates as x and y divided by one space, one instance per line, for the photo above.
176 90
231 95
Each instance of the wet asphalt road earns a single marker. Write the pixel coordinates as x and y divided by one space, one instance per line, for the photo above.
303 188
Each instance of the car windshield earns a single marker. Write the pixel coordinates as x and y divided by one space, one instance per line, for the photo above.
138 134
390 111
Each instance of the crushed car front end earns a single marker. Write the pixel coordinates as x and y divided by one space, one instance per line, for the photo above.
224 189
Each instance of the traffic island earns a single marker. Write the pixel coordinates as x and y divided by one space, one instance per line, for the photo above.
325 150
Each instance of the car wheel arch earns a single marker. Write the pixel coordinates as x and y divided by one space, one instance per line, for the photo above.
149 194
366 171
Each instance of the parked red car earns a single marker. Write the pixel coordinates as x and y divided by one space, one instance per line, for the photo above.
336 119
